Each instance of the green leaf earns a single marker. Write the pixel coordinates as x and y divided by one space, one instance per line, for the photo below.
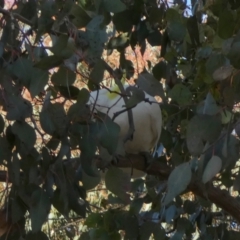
234 55
172 15
226 24
60 44
97 73
214 62
160 70
226 116
178 181
148 228
208 106
114 6
170 213
5 152
63 77
25 133
193 30
120 41
96 36
223 72
60 202
76 205
99 233
79 16
88 150
181 94
176 31
49 62
83 96
90 182
39 79
150 85
2 123
155 38
18 108
39 209
204 52
116 177
123 21
28 10
202 128
69 92
136 96
213 167
47 123
53 119
15 169
22 68
18 210
131 226
94 220
36 236
108 133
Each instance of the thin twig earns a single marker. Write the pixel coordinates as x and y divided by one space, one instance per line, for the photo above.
16 16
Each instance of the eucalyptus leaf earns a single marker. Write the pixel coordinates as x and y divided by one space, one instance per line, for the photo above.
181 94
2 124
49 62
39 209
63 77
176 31
178 181
39 79
116 177
223 72
18 108
114 6
97 73
150 85
25 133
108 133
213 167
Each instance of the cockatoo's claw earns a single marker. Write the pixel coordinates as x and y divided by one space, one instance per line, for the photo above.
147 158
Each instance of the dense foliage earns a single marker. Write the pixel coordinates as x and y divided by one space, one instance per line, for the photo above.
52 53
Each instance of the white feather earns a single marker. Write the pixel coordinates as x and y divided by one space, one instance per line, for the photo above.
147 118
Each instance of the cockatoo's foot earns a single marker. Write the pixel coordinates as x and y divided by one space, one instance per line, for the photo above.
148 159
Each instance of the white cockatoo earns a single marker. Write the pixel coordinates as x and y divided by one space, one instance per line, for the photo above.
147 119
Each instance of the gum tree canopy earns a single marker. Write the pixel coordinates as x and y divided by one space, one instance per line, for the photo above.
53 54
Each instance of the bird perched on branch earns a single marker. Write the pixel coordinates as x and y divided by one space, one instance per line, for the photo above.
146 117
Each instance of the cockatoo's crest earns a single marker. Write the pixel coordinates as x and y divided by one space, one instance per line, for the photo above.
115 91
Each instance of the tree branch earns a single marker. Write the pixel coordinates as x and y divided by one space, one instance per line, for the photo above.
16 16
220 197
